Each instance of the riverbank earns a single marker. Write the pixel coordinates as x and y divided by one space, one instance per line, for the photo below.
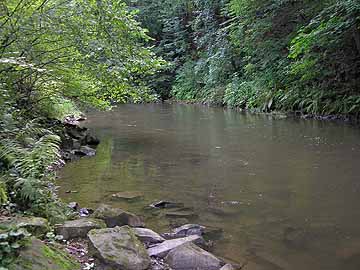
352 119
30 206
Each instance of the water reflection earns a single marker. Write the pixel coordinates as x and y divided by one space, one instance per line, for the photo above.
285 191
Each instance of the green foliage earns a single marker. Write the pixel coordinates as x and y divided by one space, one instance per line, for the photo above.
3 192
87 51
11 240
30 154
261 54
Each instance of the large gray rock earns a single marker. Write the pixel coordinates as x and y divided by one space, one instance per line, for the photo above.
38 256
35 225
118 248
148 236
192 257
165 247
117 217
79 228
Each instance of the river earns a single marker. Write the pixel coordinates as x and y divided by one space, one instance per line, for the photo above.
285 191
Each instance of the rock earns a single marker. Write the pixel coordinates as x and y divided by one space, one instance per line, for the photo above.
159 264
67 156
192 257
161 250
186 230
127 195
85 151
79 228
148 236
85 212
91 140
117 217
166 204
76 132
118 248
177 222
73 205
68 143
34 225
227 267
38 256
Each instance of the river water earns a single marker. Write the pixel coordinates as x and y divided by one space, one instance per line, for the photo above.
285 191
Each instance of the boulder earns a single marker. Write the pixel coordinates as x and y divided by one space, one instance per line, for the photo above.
148 236
75 131
127 195
192 257
161 250
91 140
118 248
117 217
79 228
34 225
38 256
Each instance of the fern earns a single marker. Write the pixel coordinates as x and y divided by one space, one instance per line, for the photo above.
30 154
33 161
3 193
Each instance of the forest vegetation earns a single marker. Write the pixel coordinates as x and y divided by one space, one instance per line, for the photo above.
267 55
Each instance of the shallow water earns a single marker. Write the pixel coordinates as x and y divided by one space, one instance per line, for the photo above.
286 192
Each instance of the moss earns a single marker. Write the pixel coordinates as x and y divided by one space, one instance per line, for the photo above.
59 258
38 256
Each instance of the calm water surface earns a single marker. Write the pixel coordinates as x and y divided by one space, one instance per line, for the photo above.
286 192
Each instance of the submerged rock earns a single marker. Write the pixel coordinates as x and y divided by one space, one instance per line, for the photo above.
161 250
148 236
38 256
186 230
79 228
177 222
181 214
192 257
166 204
118 248
117 217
